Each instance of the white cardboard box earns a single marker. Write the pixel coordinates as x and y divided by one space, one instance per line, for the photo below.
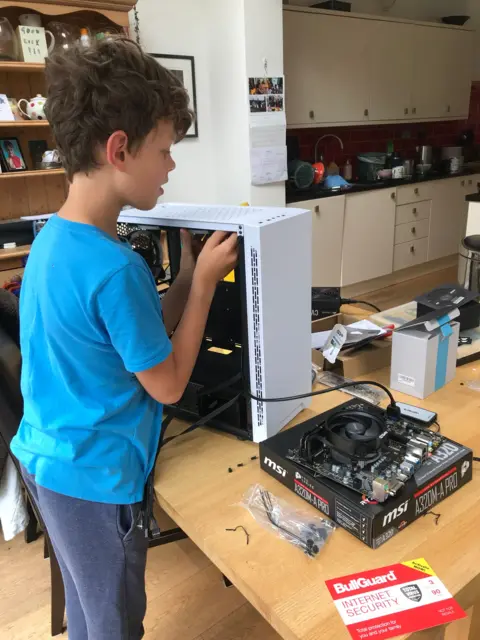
424 354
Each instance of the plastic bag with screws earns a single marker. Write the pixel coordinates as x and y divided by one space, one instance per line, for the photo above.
304 530
363 391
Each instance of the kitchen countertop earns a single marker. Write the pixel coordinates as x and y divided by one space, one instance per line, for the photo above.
316 192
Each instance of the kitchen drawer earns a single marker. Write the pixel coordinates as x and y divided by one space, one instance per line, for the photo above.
410 254
414 193
413 212
412 231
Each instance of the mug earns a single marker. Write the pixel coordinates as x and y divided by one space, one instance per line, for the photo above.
30 20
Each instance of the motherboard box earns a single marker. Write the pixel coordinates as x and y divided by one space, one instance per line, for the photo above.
445 471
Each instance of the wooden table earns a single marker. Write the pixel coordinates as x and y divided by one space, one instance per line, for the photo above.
194 487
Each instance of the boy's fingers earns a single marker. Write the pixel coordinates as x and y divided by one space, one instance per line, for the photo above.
216 238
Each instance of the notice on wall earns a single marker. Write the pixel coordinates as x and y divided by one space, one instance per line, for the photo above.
268 165
393 601
268 151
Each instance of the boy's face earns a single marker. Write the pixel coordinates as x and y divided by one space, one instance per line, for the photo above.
146 170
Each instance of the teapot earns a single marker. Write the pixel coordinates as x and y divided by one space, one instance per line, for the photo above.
35 107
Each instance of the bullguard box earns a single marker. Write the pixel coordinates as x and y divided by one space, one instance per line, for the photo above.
445 471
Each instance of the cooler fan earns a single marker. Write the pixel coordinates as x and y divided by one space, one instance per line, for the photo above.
145 243
350 436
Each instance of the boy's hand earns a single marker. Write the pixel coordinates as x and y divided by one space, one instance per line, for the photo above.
191 248
217 258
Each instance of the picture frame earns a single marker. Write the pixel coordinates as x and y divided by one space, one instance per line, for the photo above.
12 156
184 68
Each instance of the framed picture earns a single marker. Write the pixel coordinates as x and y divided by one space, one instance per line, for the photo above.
12 156
184 68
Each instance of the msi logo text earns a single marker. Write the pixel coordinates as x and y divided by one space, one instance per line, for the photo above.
276 467
396 513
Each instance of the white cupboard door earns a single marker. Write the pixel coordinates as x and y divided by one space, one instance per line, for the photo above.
301 68
303 61
459 72
343 62
447 218
430 89
326 68
368 236
327 238
391 75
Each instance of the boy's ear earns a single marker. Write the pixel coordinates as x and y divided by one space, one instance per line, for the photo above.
117 149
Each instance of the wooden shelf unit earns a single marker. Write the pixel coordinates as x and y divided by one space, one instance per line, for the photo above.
32 192
22 67
27 174
18 124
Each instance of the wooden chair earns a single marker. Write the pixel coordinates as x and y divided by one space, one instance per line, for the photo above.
10 415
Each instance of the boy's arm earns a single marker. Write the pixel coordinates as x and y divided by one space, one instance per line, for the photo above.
167 381
175 300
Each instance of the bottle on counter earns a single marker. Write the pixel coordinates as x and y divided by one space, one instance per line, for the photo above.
348 170
398 169
84 37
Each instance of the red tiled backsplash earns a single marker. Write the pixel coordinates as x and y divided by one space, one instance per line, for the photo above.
405 136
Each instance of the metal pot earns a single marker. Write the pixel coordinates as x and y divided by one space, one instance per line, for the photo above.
425 155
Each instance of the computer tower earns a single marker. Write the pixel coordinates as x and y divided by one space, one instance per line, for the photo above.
258 334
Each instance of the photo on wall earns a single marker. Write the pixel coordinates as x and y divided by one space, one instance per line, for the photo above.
258 104
12 156
183 67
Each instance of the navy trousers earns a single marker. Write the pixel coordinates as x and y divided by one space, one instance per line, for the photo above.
102 555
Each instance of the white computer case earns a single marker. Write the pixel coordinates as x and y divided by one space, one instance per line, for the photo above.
278 271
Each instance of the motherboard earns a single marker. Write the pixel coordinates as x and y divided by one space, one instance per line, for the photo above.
365 450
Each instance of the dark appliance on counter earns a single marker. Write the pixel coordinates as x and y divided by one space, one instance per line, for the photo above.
333 5
448 297
326 301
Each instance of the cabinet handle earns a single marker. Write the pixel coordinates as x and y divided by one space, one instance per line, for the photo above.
449 109
470 182
463 183
414 211
393 196
406 112
365 113
312 115
412 249
414 110
414 231
317 209
417 192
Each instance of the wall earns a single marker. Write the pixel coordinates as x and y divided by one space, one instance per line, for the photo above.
229 40
357 140
164 29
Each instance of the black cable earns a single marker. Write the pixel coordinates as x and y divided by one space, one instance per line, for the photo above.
344 385
367 304
476 459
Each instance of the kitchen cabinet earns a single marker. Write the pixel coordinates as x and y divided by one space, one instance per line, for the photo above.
360 69
390 75
368 238
326 78
448 217
327 238
441 83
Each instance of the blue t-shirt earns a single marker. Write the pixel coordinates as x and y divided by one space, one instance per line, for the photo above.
90 318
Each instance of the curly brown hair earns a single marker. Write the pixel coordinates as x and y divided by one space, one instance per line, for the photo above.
111 86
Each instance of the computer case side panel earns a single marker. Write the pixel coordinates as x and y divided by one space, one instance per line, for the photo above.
278 270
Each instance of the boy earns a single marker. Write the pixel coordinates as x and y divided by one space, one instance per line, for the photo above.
97 359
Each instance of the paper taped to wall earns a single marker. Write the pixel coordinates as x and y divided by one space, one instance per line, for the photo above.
269 164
